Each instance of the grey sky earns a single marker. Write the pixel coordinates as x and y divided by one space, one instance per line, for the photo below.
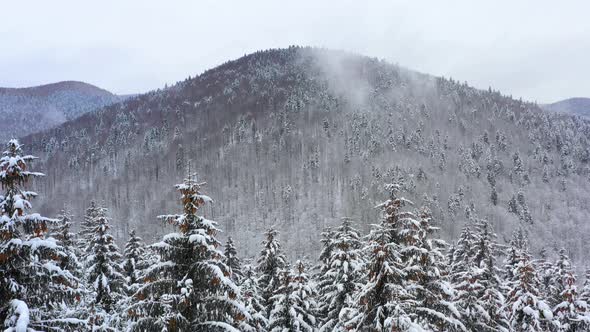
537 50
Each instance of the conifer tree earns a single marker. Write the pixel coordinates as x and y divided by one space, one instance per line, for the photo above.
433 292
491 298
384 303
105 273
292 304
253 301
134 262
528 312
190 289
233 261
585 294
33 283
87 227
271 261
342 275
571 313
61 232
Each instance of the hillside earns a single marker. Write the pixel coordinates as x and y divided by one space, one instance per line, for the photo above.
42 107
577 106
301 137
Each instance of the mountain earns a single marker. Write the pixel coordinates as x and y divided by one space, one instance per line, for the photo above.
34 109
578 106
300 137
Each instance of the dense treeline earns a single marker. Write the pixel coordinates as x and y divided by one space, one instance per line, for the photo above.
398 277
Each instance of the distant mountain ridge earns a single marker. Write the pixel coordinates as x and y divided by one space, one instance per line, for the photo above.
578 106
42 107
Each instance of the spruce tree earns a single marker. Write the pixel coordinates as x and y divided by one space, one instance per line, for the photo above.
342 275
383 303
292 304
190 289
233 261
33 284
134 262
528 312
434 305
571 313
105 273
491 298
271 261
253 301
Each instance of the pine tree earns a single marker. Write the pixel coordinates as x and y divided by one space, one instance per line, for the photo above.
105 274
489 275
585 294
342 275
233 261
571 313
134 262
528 312
253 302
270 262
292 304
384 303
33 284
435 309
62 234
87 227
190 289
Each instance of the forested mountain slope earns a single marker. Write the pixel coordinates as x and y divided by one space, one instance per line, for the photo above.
300 137
34 109
578 106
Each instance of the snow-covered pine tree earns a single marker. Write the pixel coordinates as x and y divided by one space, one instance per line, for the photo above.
463 253
384 303
434 294
341 276
491 298
528 312
134 262
233 261
571 314
469 289
253 302
61 232
105 274
87 228
270 262
560 269
190 289
585 294
293 304
33 285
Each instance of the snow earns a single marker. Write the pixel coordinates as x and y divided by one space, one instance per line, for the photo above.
20 320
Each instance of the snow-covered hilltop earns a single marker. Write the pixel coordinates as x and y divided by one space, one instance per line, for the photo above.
579 106
34 109
300 137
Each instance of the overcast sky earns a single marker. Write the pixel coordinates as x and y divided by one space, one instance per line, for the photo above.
538 50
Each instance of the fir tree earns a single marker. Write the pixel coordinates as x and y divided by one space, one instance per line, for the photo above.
33 283
292 304
433 292
104 271
253 302
270 262
571 313
384 303
233 261
190 289
342 275
134 262
528 312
